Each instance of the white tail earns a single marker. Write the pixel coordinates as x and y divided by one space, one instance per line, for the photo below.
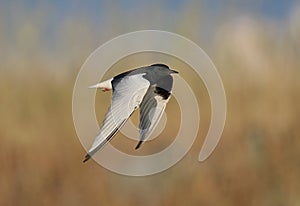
104 86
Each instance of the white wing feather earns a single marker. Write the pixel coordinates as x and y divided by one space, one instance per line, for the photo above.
127 96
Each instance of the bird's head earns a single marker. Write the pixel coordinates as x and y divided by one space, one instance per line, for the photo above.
162 69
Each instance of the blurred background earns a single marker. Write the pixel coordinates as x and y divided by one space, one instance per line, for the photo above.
254 44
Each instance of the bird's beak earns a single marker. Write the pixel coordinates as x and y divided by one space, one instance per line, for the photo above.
173 71
94 86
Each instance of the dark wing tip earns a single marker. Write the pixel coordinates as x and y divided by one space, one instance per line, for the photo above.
87 157
139 144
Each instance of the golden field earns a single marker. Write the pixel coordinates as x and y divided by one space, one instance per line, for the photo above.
255 163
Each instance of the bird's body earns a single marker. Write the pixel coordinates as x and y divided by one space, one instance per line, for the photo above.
148 88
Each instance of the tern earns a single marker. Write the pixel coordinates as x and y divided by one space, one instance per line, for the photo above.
147 88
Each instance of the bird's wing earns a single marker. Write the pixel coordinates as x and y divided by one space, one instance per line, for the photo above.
128 92
152 108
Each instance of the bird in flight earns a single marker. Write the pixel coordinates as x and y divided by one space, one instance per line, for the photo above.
147 88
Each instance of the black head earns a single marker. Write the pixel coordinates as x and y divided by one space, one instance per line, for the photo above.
163 69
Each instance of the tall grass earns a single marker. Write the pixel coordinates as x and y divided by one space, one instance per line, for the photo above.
256 162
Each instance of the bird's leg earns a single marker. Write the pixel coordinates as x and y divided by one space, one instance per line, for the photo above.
105 89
